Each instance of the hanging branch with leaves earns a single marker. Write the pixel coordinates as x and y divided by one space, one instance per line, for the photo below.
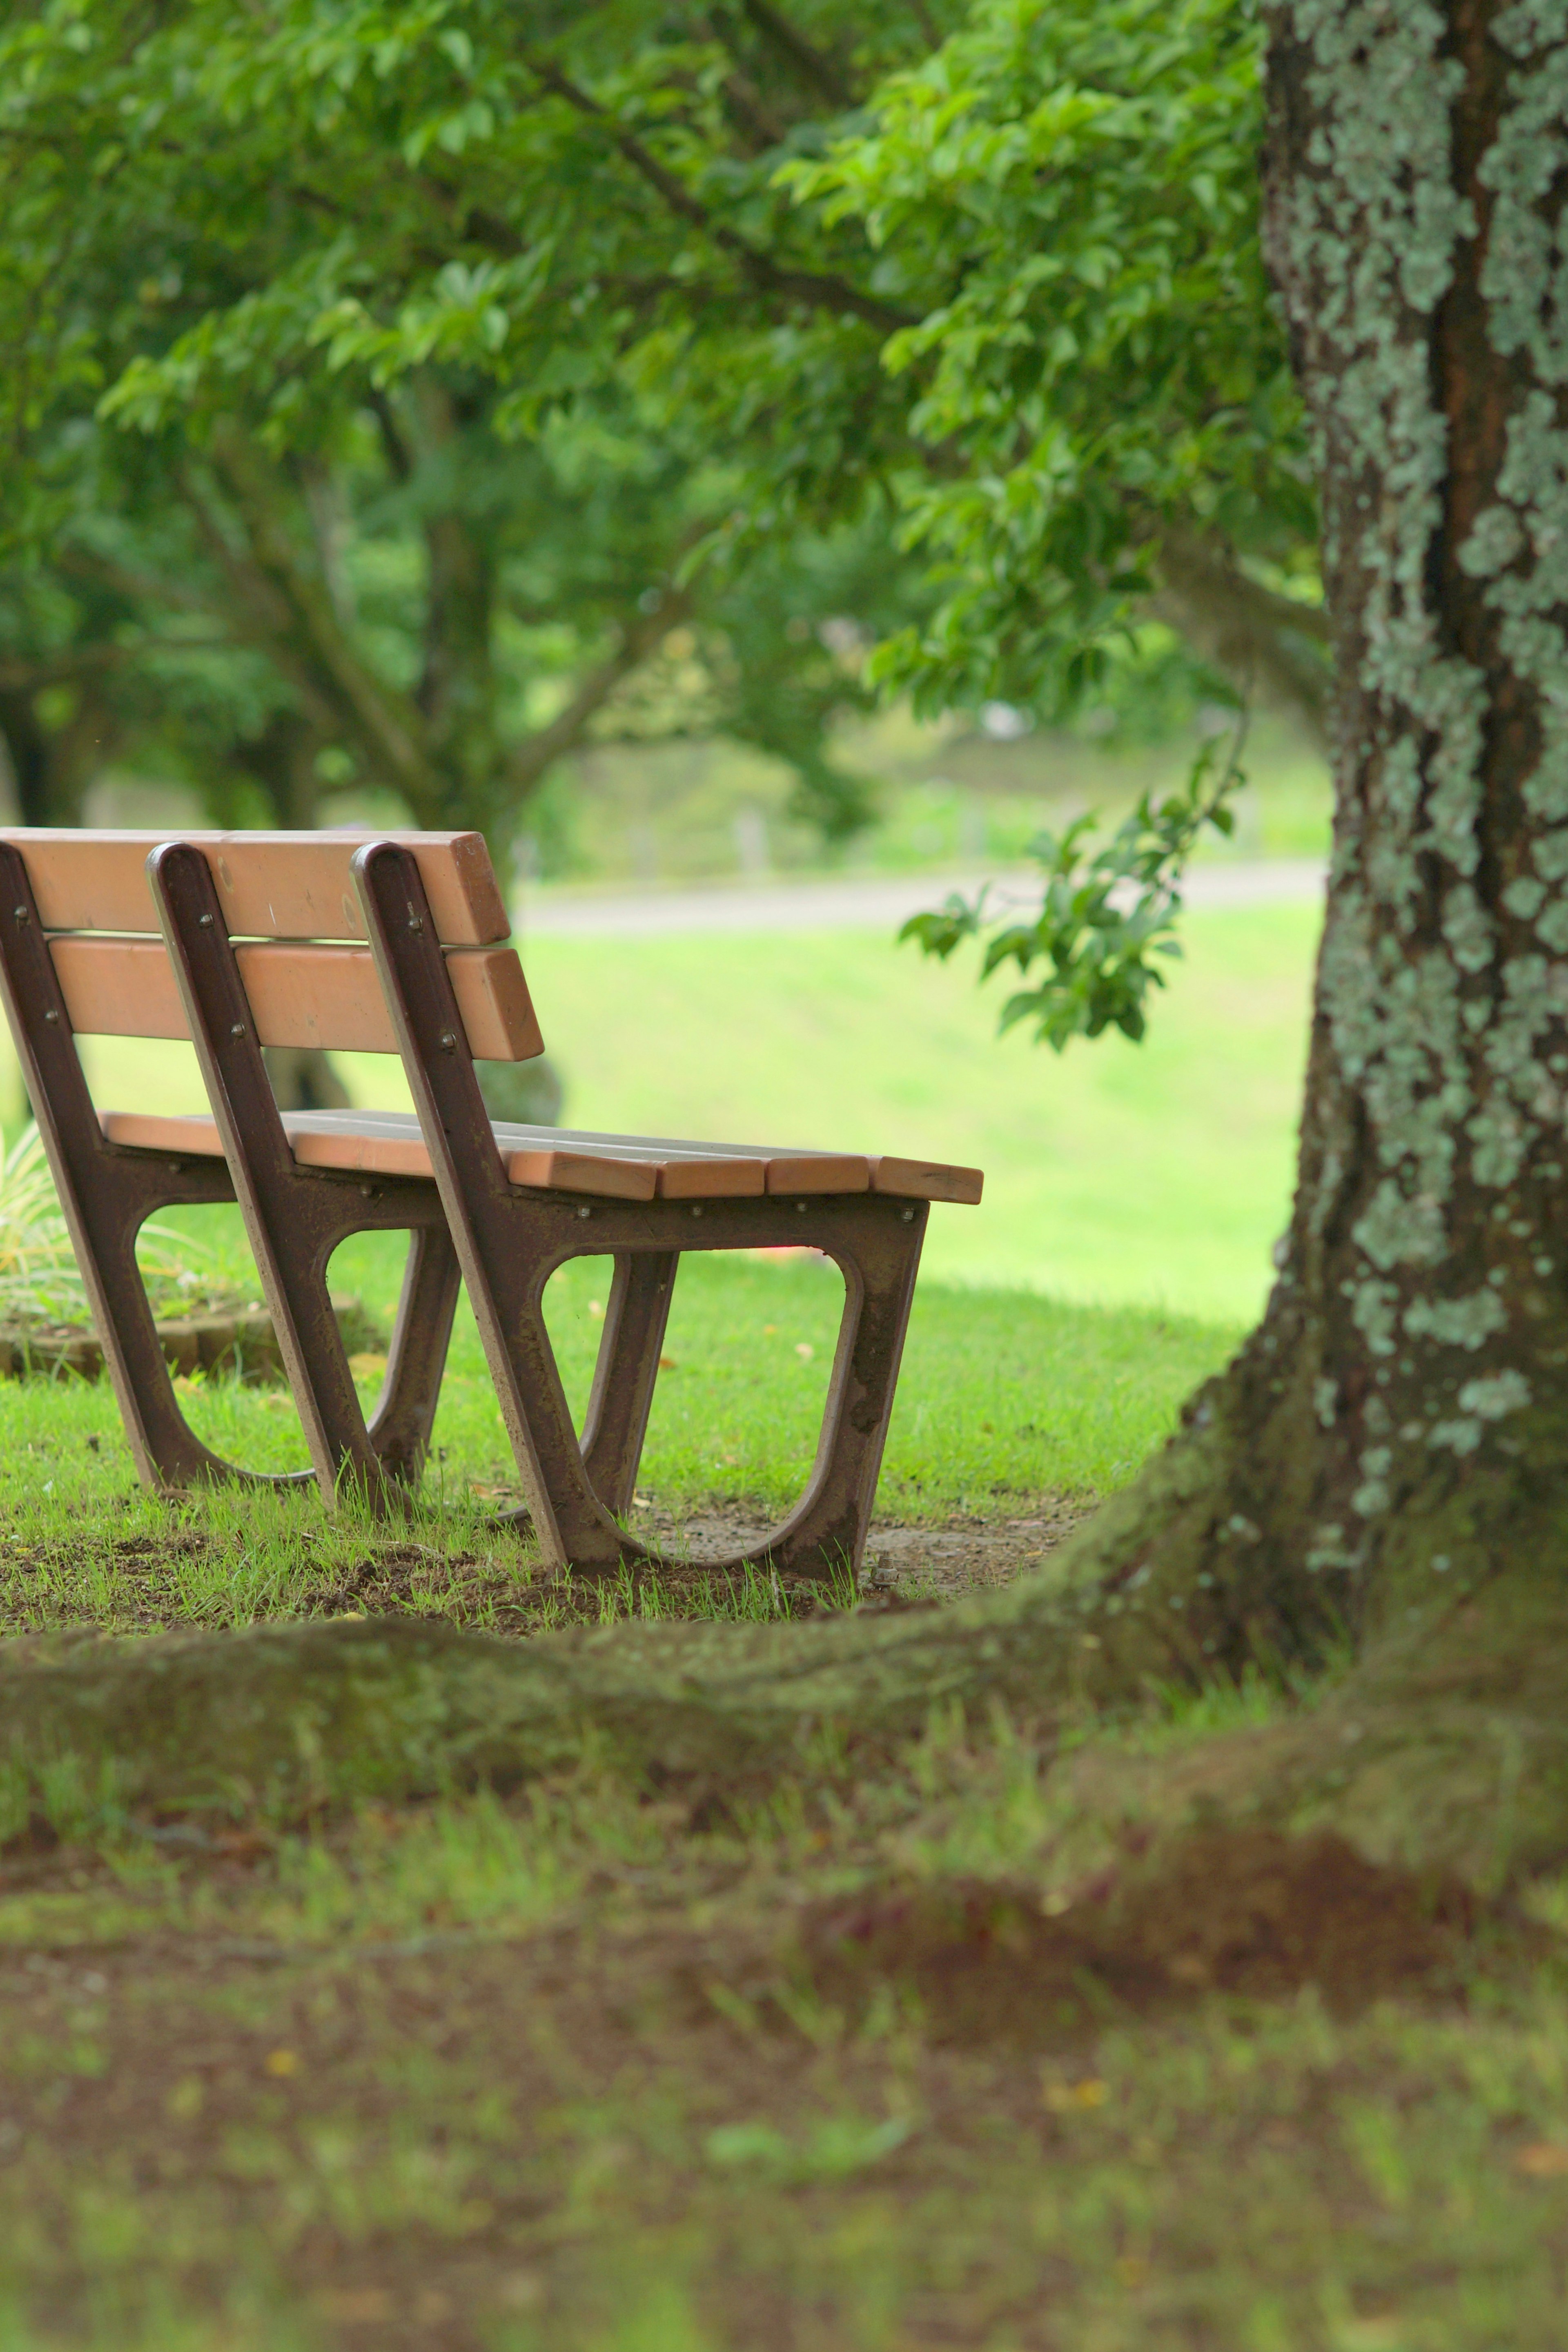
1104 916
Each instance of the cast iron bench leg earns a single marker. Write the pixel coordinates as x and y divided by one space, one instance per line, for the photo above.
636 1313
295 1217
399 1430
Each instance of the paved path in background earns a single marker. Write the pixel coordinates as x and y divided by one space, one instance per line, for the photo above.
881 904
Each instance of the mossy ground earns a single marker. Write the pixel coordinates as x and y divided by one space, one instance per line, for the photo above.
995 2039
938 2060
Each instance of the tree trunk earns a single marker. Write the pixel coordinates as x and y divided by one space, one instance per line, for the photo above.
458 690
1396 1426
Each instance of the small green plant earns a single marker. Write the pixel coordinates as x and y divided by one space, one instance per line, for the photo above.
1102 917
832 2147
38 1277
40 1283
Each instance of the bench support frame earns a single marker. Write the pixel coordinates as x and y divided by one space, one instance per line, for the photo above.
510 1241
108 1193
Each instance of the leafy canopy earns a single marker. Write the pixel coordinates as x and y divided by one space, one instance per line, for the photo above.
977 285
999 279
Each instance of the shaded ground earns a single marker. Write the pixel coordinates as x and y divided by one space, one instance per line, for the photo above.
142 1583
701 2087
990 2038
962 1554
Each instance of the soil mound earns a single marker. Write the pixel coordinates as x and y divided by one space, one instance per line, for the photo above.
1248 1911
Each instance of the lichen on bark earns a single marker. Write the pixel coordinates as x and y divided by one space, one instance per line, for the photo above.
1413 201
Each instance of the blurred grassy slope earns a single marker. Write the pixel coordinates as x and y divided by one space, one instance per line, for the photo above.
1155 1173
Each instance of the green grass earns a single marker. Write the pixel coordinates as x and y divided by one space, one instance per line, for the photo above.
552 2074
1155 1174
1006 1403
584 2068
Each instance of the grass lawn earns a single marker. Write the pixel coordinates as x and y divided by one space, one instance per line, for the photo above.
1010 1409
964 2045
873 2065
944 2054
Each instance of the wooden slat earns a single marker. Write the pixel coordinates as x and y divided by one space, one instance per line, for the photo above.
786 1170
375 1152
818 1172
684 1171
927 1180
388 1143
583 1171
710 1176
301 994
272 886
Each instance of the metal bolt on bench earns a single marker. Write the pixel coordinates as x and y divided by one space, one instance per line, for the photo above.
393 946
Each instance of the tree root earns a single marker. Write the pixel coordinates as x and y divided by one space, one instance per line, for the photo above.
1445 1747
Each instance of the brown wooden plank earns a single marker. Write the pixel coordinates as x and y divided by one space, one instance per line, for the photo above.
818 1172
301 993
146 1130
388 1143
788 1170
290 886
718 1176
927 1180
375 1152
684 1171
583 1172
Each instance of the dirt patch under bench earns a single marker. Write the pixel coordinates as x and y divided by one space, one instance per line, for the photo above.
145 1583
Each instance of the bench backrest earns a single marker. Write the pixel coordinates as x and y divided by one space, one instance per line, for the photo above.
290 905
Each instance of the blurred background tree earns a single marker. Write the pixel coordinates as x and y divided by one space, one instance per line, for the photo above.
402 401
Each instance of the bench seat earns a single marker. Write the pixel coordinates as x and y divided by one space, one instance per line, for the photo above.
549 1158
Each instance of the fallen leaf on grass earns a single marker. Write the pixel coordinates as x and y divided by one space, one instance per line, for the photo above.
356 2303
282 2062
243 1845
1544 2159
1063 2098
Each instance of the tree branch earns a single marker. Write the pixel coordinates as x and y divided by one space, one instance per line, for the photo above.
808 61
86 661
528 760
834 294
148 587
297 623
1243 628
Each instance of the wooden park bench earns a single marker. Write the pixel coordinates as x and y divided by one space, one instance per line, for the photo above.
241 940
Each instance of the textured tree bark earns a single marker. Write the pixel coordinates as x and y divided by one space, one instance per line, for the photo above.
1395 1428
